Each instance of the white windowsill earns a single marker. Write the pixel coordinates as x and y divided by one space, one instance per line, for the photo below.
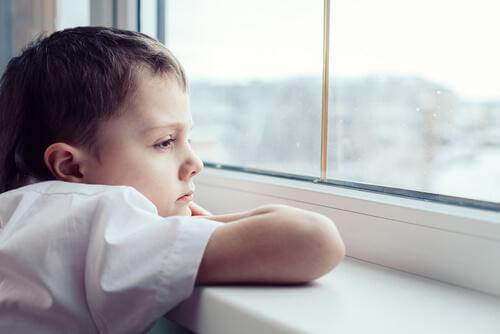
356 297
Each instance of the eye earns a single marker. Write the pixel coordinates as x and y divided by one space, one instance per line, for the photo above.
163 145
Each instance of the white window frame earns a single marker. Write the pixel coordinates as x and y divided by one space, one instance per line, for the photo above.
449 243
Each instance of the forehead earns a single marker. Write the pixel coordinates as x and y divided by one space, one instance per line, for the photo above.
157 101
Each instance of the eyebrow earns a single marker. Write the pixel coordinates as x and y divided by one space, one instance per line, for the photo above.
176 126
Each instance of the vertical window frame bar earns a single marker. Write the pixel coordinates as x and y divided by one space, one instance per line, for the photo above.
139 15
161 7
325 90
114 14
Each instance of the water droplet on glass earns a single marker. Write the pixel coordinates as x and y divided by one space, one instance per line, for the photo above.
438 92
417 109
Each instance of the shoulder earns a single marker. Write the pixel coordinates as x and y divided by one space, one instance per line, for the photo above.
66 188
61 189
74 198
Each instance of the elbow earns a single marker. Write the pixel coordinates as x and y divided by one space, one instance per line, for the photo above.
323 245
337 252
334 244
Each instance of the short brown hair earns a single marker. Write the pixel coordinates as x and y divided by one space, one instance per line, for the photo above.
62 86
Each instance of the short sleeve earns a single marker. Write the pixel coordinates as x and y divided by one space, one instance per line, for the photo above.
139 265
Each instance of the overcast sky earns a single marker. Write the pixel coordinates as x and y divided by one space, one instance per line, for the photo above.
451 42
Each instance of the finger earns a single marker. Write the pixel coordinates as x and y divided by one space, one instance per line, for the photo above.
197 210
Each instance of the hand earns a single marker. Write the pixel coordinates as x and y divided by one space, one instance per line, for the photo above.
233 217
197 210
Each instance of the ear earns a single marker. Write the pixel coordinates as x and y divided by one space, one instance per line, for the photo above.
65 162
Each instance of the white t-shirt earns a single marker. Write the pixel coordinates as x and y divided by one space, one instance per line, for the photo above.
77 258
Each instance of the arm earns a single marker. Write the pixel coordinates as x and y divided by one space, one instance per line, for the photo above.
271 244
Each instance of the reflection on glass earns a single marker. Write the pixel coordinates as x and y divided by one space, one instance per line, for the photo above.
414 99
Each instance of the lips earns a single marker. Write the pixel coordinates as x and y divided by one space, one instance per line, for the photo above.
187 197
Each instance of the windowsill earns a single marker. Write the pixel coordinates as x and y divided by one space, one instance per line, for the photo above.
356 297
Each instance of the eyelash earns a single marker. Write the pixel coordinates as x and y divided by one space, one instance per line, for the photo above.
169 142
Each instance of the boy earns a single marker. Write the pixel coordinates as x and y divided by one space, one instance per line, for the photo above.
97 232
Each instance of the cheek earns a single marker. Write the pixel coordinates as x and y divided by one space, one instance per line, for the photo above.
152 174
133 166
159 186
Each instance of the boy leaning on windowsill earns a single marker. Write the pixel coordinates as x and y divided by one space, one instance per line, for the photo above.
97 221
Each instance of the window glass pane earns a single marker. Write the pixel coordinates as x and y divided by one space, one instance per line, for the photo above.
148 17
71 13
414 96
23 20
255 80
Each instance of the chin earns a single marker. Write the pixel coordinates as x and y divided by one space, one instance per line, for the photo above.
183 213
186 211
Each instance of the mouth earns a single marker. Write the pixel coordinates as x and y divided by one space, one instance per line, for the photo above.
187 197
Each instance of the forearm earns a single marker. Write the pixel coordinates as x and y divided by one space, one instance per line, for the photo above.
273 244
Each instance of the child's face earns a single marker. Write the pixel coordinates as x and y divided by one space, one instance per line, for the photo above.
147 146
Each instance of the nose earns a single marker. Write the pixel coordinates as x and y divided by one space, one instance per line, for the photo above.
191 166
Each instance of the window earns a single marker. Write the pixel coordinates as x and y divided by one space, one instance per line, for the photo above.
413 102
